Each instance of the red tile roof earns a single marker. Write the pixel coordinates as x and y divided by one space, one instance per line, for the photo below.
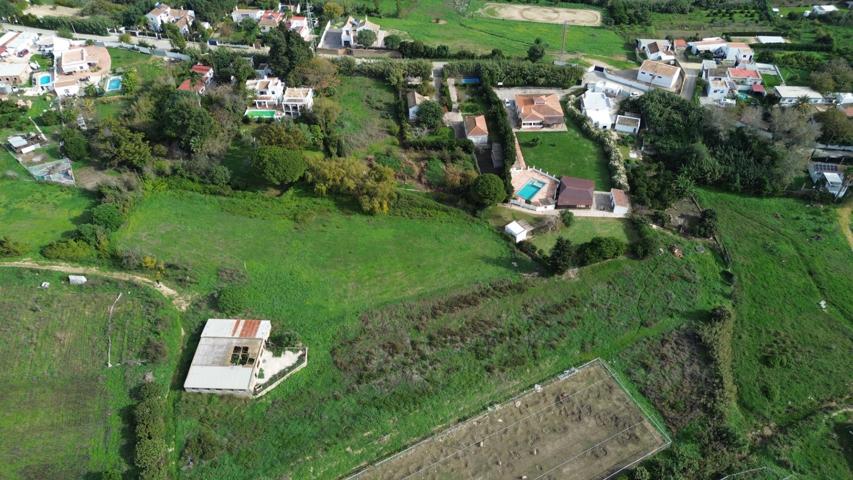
743 73
680 42
201 69
187 86
476 126
619 197
758 88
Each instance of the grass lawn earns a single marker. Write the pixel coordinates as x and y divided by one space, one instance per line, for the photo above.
770 81
566 153
38 213
64 414
148 67
467 29
791 358
368 107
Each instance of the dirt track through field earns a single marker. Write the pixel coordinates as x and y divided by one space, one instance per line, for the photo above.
581 427
528 13
181 302
52 11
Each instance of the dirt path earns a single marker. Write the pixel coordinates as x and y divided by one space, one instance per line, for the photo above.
844 213
527 13
181 302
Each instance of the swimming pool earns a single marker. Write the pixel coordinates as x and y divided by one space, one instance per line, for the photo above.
44 80
260 113
529 190
114 84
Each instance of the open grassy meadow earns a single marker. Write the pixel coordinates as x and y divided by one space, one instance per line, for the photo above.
63 412
367 112
148 67
566 153
583 229
459 25
337 278
791 357
38 213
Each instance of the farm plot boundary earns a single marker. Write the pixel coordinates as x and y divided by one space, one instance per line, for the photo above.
530 13
582 425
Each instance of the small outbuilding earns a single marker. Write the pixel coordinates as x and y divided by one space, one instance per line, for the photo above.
619 201
476 129
77 279
627 124
519 230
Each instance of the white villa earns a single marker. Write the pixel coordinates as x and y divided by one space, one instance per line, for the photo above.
789 95
819 10
655 49
413 102
349 32
76 66
268 92
598 108
297 100
727 53
163 14
659 74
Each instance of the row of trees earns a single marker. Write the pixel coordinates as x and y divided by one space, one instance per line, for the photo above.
511 73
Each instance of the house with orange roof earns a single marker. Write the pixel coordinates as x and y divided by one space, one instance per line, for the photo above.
476 129
538 111
744 79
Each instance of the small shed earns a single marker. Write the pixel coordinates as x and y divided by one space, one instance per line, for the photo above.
619 201
76 279
519 230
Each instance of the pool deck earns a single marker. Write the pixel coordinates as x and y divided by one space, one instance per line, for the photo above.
546 194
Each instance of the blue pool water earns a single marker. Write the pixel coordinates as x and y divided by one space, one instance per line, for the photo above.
114 84
528 191
44 80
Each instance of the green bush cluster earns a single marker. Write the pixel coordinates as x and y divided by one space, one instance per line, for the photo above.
11 248
152 452
512 73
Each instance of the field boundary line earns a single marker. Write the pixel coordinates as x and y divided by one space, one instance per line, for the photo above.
642 408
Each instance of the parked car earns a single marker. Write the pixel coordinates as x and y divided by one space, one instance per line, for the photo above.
23 53
213 42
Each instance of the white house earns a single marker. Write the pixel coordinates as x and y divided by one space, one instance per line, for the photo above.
413 102
619 201
349 32
163 14
75 60
728 53
660 50
789 96
743 79
297 100
300 25
832 183
267 91
627 124
14 73
240 14
598 109
227 357
818 10
476 129
659 74
519 230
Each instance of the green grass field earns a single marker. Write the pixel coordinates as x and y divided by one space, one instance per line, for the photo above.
469 30
582 230
566 153
38 213
770 81
790 356
367 109
148 67
314 267
63 413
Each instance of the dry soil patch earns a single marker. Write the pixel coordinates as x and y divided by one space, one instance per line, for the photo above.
528 13
580 427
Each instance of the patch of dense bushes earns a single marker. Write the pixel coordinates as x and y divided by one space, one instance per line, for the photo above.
647 241
152 452
11 248
512 73
500 128
95 25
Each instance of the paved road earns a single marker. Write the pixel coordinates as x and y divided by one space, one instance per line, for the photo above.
689 86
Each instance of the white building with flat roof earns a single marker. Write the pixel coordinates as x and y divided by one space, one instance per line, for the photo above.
227 358
789 96
296 101
659 74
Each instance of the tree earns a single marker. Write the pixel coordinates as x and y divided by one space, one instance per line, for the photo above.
176 38
107 216
119 146
707 225
430 114
182 118
536 51
332 10
318 73
488 190
836 128
278 165
366 38
130 81
74 144
567 217
560 258
599 249
393 42
287 51
326 112
281 134
229 63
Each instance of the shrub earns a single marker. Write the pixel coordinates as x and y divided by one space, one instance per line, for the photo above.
205 445
278 165
232 300
567 217
69 250
151 458
155 350
707 225
599 249
108 216
282 339
11 248
74 144
130 259
95 235
560 259
488 190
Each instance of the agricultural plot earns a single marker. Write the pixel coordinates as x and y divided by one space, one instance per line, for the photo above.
525 13
63 411
581 426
